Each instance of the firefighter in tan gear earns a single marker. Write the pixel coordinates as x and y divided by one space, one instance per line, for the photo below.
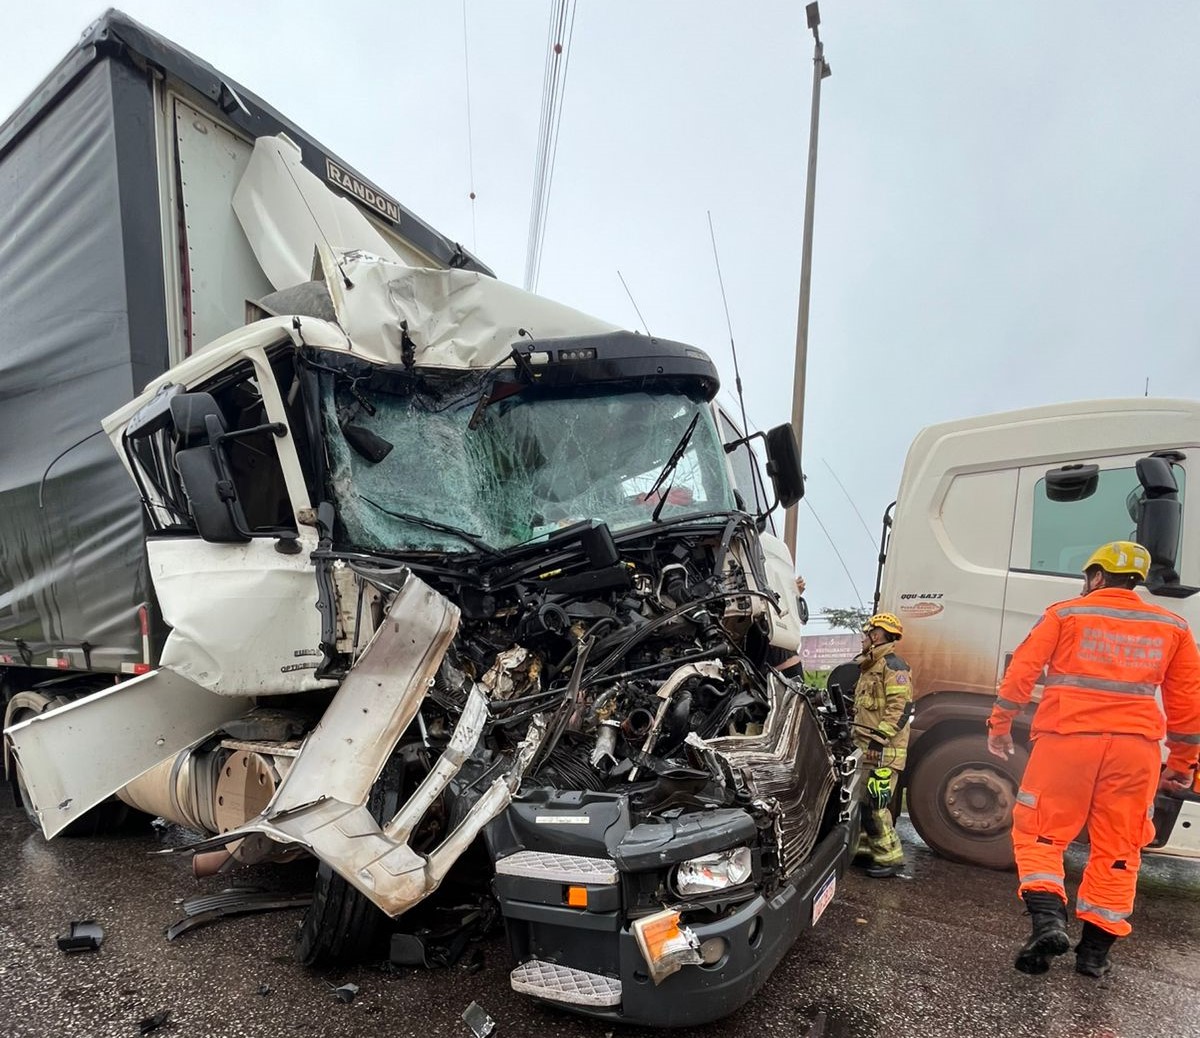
882 707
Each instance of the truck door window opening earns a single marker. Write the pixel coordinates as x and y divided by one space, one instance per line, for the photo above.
253 463
1064 534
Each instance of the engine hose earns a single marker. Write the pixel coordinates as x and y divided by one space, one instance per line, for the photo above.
652 625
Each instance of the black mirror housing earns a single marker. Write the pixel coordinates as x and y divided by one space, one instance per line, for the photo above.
1072 482
211 499
190 413
783 465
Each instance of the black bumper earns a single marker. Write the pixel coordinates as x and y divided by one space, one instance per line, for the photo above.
757 932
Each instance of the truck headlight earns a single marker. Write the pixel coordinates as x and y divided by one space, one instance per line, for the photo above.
712 872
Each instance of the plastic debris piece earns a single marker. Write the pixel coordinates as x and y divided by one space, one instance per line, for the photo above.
265 989
231 903
346 992
153 1023
476 1018
84 935
860 919
408 950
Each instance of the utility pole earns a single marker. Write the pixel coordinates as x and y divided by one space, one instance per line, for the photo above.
820 71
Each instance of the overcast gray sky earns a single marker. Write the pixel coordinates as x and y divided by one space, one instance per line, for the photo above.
1007 200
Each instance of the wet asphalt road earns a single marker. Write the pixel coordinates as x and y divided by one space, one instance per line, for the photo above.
923 957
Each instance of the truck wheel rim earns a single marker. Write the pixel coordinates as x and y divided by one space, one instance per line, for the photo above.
979 800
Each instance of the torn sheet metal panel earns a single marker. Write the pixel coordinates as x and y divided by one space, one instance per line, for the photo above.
138 723
376 702
386 871
320 804
255 630
286 211
789 766
455 319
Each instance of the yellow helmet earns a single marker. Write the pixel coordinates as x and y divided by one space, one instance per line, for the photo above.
887 622
1120 557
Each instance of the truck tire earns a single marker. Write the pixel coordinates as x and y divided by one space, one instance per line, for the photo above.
105 818
341 926
960 800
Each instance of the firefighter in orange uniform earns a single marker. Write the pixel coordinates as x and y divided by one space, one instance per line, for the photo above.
1096 757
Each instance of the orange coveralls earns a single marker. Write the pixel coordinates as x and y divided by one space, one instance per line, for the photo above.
1096 757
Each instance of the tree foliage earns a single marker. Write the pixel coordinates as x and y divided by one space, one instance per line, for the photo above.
851 619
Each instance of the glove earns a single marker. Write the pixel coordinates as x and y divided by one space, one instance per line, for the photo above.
879 788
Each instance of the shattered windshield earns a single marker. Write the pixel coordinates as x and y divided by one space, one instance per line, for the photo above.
535 462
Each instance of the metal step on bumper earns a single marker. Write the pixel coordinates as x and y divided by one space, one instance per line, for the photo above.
548 980
559 868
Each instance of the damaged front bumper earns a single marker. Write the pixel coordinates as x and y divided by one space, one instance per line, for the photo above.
582 878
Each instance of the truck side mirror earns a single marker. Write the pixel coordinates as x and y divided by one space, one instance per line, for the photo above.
1159 518
1072 482
212 499
783 465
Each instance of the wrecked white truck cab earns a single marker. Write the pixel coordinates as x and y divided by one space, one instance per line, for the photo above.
425 594
444 583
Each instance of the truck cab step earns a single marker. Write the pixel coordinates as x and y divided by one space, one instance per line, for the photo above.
560 868
556 983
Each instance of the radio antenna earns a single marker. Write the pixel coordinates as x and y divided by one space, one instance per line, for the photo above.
634 302
737 374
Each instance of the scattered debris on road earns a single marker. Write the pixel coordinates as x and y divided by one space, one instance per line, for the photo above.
477 1019
153 1023
208 908
84 935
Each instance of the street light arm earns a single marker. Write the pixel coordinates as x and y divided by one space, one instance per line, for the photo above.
820 71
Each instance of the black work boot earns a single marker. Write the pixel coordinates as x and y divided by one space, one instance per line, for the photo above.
1049 937
1091 953
885 871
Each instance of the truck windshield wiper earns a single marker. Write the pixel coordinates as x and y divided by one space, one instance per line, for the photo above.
669 467
494 390
433 524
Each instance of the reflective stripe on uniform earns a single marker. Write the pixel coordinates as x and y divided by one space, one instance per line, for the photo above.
1188 737
1124 614
1027 798
1007 704
1106 914
1132 688
1150 813
1041 877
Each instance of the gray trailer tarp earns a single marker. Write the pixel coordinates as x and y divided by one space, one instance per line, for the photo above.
81 330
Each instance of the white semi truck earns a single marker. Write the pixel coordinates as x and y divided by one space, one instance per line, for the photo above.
994 519
316 539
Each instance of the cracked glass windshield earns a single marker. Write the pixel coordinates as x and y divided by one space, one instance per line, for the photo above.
535 462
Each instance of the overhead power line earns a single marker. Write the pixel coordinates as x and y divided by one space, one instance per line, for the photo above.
554 85
470 133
